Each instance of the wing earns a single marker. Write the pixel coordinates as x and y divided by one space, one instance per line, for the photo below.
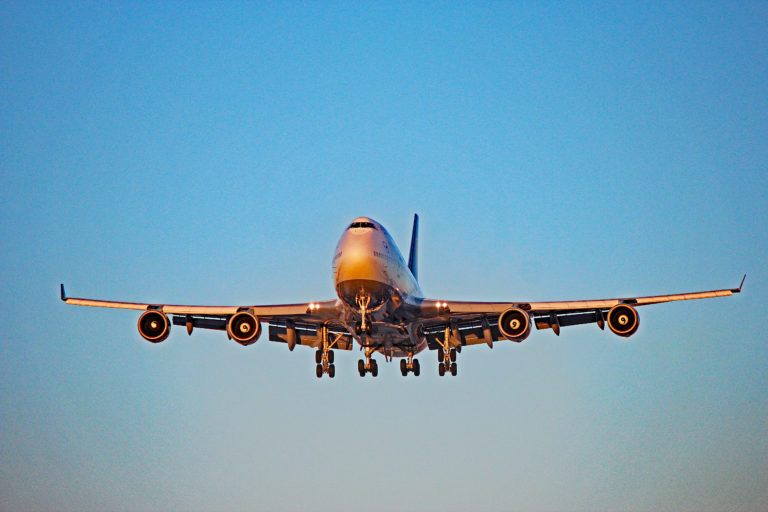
294 324
470 323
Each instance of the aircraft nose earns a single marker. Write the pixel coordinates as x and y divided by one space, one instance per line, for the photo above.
355 263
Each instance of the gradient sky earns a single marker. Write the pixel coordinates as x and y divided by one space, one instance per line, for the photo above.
213 155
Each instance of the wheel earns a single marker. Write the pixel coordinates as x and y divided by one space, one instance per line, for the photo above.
403 367
318 357
319 370
440 354
330 357
458 349
361 367
454 369
374 368
358 329
453 354
441 369
331 371
416 368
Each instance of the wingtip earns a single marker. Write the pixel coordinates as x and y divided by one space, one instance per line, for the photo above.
63 293
738 290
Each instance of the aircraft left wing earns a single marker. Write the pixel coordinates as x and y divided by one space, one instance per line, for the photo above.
469 323
264 312
294 324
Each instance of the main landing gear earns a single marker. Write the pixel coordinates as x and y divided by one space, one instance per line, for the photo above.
446 356
369 365
324 355
411 365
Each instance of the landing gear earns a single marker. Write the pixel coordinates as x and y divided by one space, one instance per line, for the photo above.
363 300
410 365
441 354
324 355
446 355
362 327
325 367
369 365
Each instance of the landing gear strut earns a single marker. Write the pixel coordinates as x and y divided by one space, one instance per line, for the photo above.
324 355
363 300
411 365
369 365
446 355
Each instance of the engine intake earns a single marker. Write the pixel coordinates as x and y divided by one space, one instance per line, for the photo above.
154 326
623 320
244 327
515 324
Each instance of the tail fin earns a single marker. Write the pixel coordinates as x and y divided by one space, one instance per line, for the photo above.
413 255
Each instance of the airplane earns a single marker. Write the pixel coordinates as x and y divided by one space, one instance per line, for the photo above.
380 306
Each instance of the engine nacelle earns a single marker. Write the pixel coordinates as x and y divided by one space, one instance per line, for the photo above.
515 324
623 320
154 326
244 327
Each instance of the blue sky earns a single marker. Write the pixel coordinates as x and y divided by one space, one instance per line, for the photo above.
190 153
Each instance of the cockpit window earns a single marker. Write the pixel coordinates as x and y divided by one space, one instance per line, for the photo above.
362 225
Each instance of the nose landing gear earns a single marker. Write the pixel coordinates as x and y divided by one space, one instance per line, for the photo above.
363 300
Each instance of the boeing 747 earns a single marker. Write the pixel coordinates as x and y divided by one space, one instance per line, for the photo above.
380 306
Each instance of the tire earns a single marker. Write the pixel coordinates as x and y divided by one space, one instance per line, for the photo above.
454 369
330 357
318 357
361 367
331 371
416 368
374 368
319 370
440 354
441 369
453 355
403 367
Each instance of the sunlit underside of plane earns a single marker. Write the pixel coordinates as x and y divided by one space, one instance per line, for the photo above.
380 306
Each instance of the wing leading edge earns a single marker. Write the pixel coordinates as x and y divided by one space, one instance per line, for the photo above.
265 312
462 307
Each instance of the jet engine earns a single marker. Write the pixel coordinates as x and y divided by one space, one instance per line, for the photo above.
244 328
154 326
623 320
515 324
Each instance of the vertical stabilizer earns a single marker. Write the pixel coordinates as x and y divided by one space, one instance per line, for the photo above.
413 254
